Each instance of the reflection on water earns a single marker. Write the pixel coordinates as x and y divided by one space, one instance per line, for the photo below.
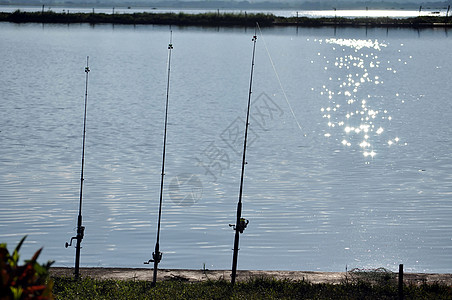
358 115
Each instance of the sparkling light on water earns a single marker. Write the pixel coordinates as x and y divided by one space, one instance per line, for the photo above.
356 115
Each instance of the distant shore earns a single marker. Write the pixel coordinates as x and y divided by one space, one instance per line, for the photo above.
213 19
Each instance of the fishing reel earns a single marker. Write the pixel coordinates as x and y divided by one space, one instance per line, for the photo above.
155 258
80 234
241 226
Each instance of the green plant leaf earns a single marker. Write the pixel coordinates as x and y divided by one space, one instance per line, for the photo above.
15 257
17 292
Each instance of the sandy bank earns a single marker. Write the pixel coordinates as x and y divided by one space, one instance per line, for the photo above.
202 275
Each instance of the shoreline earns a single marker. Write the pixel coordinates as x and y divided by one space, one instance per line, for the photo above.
213 19
187 275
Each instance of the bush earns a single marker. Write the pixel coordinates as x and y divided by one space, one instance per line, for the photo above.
29 281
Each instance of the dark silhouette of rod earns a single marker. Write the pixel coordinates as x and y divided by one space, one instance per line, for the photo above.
241 223
401 296
157 255
80 228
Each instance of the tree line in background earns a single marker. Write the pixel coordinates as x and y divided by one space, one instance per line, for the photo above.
218 19
233 4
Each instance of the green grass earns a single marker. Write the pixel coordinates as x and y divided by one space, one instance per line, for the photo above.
258 288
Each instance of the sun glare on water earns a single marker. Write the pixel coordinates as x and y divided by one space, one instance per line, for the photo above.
356 115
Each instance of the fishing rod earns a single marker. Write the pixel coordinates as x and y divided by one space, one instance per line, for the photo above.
241 223
80 228
157 255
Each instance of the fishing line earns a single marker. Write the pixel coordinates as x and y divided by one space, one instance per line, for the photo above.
279 80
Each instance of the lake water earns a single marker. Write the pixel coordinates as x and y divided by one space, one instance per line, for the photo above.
349 161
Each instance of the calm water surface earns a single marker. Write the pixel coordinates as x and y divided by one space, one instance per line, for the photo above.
348 165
